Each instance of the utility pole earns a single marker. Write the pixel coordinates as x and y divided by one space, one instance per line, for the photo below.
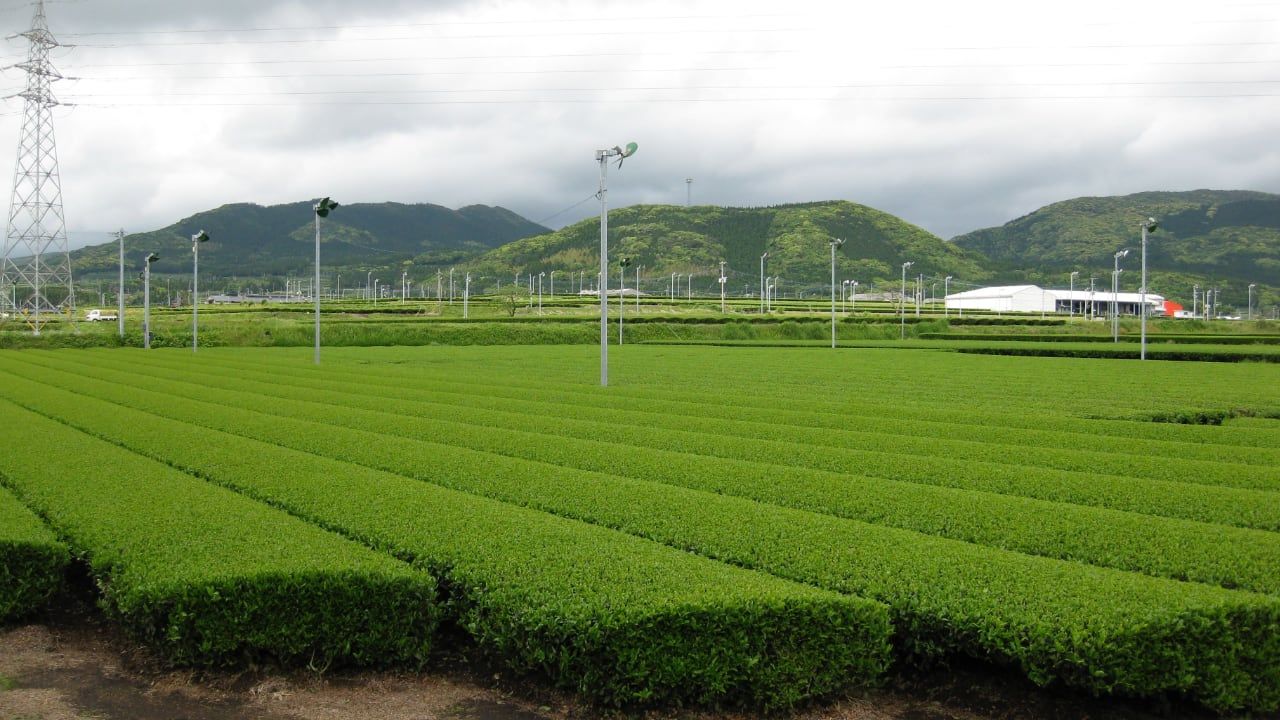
1071 304
120 288
688 192
835 244
762 288
902 303
1147 227
603 157
722 281
35 248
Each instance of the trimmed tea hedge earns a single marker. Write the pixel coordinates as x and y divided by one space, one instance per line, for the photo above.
618 619
205 576
1102 630
1226 556
32 561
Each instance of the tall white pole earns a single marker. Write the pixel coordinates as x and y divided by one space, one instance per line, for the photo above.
146 304
946 290
722 281
466 297
622 305
120 293
762 288
195 294
834 244
902 303
1071 303
603 158
1251 287
1142 353
316 305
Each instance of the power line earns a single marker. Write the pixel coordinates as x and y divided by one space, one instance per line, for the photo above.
739 100
439 38
428 58
450 23
685 88
413 74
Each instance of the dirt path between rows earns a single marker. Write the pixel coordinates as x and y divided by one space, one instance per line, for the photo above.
75 666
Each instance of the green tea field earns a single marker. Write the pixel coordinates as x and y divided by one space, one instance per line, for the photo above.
722 526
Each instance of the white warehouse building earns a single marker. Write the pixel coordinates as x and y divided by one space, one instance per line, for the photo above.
1035 299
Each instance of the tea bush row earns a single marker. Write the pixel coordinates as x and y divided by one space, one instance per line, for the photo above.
208 577
1103 630
618 619
32 560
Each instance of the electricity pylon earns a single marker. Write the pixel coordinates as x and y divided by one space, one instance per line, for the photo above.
37 266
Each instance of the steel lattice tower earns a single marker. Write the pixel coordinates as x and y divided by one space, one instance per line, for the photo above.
37 266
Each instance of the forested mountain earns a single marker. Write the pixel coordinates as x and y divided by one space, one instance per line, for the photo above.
667 239
1222 238
251 240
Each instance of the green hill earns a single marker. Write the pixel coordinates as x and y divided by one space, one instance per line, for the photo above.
1226 239
251 240
669 239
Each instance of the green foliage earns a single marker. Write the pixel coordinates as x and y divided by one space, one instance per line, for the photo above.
1057 620
622 621
666 239
250 240
32 561
208 577
1215 238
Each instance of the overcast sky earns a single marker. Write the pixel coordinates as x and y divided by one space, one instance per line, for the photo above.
954 116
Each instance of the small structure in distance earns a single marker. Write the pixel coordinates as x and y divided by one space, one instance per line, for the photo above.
1035 299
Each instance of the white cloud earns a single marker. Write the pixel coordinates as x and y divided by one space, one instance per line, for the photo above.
954 116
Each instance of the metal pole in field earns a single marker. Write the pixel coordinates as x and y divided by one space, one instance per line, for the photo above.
762 259
404 285
1251 287
638 267
120 293
946 290
622 283
466 297
450 286
689 286
322 210
722 287
1149 226
835 243
146 299
1071 303
196 239
540 276
368 285
853 296
553 284
902 303
1115 291
1195 296
602 157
